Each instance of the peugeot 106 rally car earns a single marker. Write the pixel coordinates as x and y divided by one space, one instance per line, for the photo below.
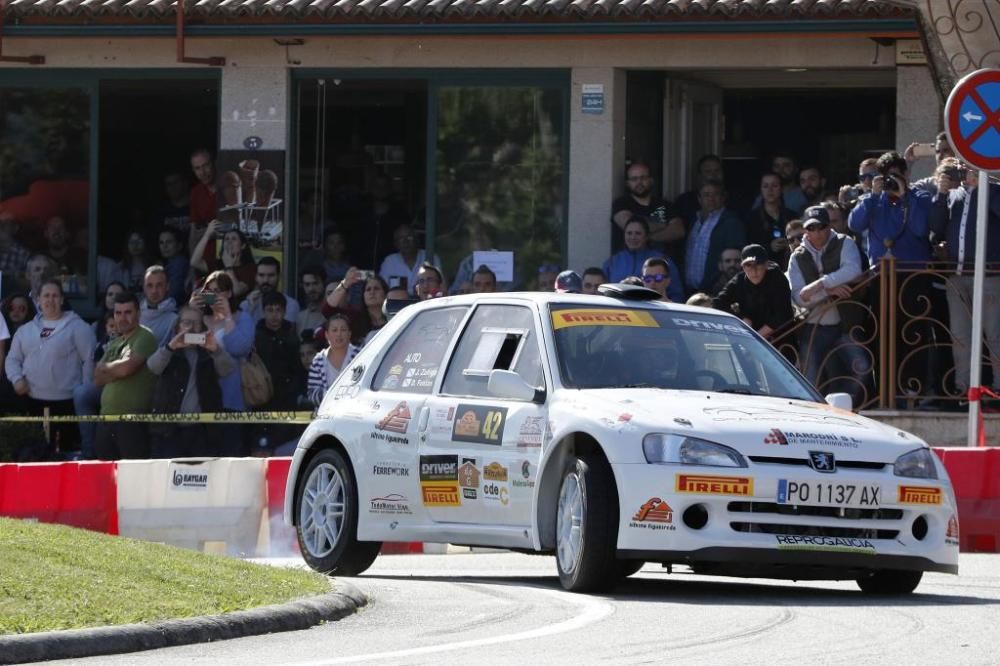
611 431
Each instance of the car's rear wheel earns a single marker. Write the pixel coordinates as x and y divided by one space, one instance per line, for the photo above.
327 528
890 582
586 526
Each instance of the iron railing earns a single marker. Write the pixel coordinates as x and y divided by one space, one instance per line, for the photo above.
898 324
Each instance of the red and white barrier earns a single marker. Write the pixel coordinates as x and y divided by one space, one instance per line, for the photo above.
232 503
281 538
79 494
975 475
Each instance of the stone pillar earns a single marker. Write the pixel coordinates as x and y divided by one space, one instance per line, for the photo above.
596 163
254 104
919 113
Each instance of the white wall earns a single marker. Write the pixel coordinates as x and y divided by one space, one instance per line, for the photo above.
919 114
659 52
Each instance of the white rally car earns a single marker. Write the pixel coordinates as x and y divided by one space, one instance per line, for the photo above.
611 431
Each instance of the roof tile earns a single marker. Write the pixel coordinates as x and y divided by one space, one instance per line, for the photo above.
457 9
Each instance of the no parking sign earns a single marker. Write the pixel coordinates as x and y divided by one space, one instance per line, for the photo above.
972 119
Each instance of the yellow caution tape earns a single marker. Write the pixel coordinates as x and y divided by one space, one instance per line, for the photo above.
217 417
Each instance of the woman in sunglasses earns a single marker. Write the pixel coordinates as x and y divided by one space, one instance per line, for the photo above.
631 260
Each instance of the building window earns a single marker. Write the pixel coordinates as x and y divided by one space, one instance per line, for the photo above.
500 182
44 188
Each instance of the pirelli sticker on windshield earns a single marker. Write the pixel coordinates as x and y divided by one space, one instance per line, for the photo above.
741 486
602 317
919 495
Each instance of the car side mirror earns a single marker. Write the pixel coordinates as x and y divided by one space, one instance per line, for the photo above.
840 401
509 384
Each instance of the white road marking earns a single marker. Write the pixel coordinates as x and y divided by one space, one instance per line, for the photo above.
594 610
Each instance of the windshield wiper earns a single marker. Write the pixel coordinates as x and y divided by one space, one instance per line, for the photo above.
741 391
637 385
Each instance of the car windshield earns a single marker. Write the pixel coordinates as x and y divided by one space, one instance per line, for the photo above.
620 347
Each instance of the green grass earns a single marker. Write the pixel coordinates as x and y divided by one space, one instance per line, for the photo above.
55 577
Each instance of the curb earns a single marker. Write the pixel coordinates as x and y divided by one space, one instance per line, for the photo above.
78 643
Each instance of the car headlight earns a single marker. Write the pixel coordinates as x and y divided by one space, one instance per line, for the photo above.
918 464
680 450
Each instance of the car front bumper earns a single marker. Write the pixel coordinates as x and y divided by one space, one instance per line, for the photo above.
713 516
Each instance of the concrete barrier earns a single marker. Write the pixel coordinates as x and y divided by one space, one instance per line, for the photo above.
193 503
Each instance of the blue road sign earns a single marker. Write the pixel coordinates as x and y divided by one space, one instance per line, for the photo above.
972 119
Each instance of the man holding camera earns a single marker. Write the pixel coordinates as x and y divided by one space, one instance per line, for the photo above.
894 214
953 222
940 150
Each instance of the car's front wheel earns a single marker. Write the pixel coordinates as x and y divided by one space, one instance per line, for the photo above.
327 501
586 526
890 582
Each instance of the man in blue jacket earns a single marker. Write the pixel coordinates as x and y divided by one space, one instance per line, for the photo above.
895 217
953 222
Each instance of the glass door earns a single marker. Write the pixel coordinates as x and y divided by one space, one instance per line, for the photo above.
499 183
692 127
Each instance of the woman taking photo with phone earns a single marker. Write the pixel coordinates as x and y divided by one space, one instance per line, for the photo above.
188 369
233 329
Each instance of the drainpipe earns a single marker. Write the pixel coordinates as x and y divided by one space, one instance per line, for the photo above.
30 60
213 61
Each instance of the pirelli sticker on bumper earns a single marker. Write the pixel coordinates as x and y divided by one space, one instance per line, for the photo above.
602 317
919 495
741 486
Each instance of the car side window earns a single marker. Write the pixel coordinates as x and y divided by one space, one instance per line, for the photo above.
498 337
414 360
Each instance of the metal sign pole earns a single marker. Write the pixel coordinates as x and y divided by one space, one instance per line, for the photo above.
978 279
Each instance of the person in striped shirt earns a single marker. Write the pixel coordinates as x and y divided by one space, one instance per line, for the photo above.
327 364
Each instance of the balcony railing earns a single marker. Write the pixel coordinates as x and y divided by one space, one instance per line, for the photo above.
896 322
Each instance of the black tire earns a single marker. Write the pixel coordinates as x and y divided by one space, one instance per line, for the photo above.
625 568
333 551
888 581
590 565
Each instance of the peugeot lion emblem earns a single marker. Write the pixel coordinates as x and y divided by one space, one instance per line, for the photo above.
821 461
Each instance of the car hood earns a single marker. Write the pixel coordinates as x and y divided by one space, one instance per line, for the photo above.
753 425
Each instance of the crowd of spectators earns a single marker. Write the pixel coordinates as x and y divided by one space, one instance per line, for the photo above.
184 319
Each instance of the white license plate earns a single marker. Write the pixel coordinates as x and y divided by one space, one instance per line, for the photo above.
820 493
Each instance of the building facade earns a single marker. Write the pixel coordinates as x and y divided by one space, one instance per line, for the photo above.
484 125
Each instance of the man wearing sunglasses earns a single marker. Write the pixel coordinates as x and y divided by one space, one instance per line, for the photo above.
942 151
820 269
759 295
656 276
867 170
